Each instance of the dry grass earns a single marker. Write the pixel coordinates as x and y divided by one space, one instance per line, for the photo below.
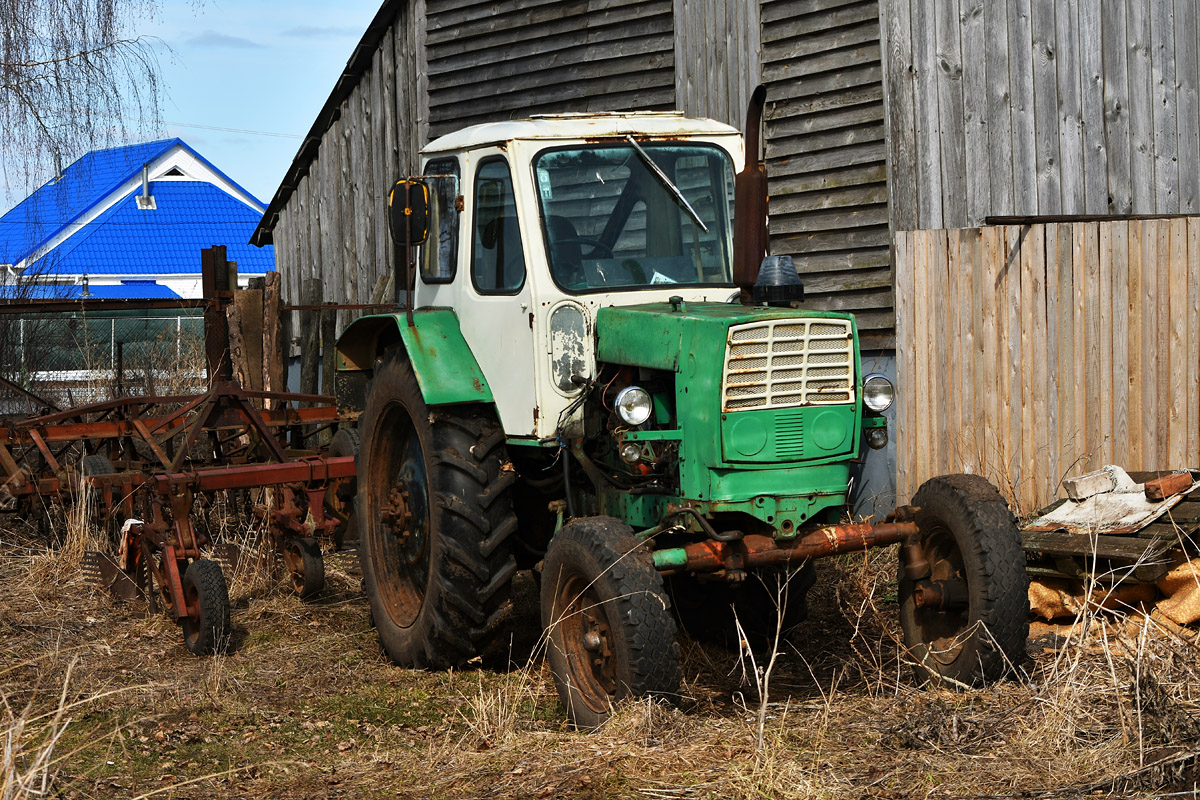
305 705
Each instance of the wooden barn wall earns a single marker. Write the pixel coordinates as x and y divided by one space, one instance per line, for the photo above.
492 60
826 155
717 52
1028 354
331 243
1040 108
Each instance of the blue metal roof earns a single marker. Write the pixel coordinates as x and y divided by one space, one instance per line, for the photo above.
125 240
65 198
189 216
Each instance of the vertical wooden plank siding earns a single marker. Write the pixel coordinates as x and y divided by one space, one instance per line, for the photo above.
1086 106
826 155
717 51
1032 353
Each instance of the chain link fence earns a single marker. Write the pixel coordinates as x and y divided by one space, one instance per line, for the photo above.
68 360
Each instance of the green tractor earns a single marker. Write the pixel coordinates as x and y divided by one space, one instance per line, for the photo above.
590 376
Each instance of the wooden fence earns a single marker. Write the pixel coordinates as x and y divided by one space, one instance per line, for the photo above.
1030 353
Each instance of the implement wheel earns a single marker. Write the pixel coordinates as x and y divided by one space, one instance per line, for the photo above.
964 593
341 500
435 521
305 565
610 631
206 629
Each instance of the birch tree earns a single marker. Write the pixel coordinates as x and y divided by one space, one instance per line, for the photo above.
74 76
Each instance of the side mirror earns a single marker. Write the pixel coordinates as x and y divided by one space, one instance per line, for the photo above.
408 212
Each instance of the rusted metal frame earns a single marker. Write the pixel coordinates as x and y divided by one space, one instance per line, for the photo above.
174 582
148 438
40 443
310 471
293 397
756 550
21 390
102 407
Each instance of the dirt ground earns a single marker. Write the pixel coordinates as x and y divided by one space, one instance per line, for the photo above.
100 701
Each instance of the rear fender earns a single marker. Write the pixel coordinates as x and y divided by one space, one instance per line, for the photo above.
446 370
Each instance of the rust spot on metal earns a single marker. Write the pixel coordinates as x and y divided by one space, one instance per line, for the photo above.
756 550
478 386
530 320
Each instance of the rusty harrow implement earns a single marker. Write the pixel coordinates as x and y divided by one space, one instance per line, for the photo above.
135 466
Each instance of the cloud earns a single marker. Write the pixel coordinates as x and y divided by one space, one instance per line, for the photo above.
214 39
314 32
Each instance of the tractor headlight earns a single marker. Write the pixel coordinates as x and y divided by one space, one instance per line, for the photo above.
634 405
878 393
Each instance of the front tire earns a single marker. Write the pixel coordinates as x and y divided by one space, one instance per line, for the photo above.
610 631
435 521
964 593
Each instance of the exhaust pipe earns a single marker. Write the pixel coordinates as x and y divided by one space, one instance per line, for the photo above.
750 203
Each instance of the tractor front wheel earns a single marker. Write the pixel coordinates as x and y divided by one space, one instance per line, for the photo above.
610 632
964 593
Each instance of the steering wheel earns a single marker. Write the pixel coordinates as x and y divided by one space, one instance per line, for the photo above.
599 248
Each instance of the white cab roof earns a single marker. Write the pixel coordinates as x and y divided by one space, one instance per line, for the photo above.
579 126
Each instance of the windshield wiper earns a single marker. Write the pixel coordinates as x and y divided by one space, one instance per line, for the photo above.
667 184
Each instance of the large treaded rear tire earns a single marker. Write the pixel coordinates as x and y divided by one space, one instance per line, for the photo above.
435 521
610 631
968 534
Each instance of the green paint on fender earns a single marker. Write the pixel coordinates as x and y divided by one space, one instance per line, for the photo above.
447 371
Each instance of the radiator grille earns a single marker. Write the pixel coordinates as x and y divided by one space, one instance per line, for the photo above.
785 363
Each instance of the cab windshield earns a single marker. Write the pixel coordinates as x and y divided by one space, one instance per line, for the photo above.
611 220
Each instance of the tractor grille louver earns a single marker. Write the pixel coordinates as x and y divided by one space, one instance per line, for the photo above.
788 362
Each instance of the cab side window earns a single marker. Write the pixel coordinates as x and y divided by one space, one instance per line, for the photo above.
498 258
439 256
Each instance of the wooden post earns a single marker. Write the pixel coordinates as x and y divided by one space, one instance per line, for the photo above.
275 352
310 338
328 339
245 334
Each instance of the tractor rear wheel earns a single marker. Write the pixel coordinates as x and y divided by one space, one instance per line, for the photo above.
435 521
964 593
610 631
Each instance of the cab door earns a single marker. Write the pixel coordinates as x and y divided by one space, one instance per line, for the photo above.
495 306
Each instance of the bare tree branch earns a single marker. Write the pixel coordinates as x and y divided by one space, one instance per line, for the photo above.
73 74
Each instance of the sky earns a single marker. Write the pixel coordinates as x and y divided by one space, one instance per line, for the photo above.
256 67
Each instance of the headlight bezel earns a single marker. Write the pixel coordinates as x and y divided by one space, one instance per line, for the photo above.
869 398
630 399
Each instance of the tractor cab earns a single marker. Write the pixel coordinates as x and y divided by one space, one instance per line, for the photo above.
535 225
